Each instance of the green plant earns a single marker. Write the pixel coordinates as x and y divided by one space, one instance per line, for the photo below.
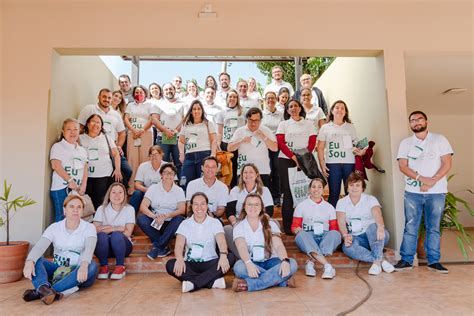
8 205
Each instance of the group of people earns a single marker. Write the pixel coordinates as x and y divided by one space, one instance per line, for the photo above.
170 172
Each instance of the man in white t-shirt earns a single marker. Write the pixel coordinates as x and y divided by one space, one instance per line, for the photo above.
246 102
424 158
177 83
277 82
125 85
221 94
215 190
210 107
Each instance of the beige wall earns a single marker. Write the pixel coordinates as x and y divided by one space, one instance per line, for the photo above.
34 29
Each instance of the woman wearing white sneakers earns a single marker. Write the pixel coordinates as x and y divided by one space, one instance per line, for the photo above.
315 227
197 264
114 221
360 221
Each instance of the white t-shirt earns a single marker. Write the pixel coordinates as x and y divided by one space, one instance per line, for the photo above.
340 140
217 193
255 95
249 103
212 111
100 163
200 238
139 114
272 120
231 120
296 133
316 216
221 97
315 115
188 100
109 216
256 151
163 202
147 175
424 157
255 239
239 196
197 136
171 113
358 216
276 87
73 159
68 246
113 123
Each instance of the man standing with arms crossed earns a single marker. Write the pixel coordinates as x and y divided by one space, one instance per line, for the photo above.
424 158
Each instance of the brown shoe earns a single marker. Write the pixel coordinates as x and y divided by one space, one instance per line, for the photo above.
30 295
291 282
239 285
46 294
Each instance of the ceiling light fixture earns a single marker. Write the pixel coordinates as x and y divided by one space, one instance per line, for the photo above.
453 91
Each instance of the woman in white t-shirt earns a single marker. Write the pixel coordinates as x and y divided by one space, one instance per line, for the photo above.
315 227
192 93
156 94
228 120
140 136
252 90
114 221
72 266
162 208
197 264
264 262
69 164
101 149
313 113
210 82
360 221
292 134
336 149
283 98
197 140
118 102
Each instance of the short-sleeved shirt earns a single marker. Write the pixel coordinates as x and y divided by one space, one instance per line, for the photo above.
188 100
312 212
212 110
200 237
171 113
100 163
359 216
68 246
255 239
272 120
340 140
113 123
197 136
276 87
296 133
424 157
147 175
256 151
163 202
249 103
139 114
109 216
255 95
221 98
239 196
315 115
217 193
73 159
231 120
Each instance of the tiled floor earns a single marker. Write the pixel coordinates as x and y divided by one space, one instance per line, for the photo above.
416 292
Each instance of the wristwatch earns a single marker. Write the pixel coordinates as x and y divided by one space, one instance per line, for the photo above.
286 259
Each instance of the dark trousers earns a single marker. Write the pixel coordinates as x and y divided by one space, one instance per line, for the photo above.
96 189
192 169
162 237
115 244
233 182
126 170
338 172
201 274
287 207
171 154
274 184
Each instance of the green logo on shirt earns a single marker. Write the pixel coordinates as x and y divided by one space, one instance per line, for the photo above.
334 150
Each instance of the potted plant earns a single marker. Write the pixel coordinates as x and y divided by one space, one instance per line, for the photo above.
12 254
450 220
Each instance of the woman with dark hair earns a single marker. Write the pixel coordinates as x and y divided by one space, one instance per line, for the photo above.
210 82
118 102
313 113
336 149
101 149
69 164
197 140
283 97
264 262
292 134
156 93
197 264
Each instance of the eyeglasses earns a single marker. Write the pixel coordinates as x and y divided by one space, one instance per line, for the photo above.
168 173
254 121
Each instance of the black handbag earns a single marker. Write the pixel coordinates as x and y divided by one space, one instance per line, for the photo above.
307 163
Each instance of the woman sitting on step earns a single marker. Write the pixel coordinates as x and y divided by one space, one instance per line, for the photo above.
360 221
264 262
197 264
315 227
114 221
72 266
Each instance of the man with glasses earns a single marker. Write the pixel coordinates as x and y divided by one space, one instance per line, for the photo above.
277 82
424 158
245 101
177 83
317 95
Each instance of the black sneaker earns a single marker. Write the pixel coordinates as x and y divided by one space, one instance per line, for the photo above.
402 265
437 267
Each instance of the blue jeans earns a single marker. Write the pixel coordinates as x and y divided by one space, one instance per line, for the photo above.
115 244
269 274
192 166
432 207
136 199
365 247
162 237
58 197
126 170
171 154
44 271
338 172
323 245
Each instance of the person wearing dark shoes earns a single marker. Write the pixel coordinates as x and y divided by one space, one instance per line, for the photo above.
424 158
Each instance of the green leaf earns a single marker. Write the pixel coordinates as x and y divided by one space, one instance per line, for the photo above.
463 249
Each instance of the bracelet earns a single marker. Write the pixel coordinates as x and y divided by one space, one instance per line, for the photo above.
223 253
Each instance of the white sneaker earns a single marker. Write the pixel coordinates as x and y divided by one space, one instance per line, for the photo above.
70 291
187 286
375 269
387 266
219 284
309 268
329 272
